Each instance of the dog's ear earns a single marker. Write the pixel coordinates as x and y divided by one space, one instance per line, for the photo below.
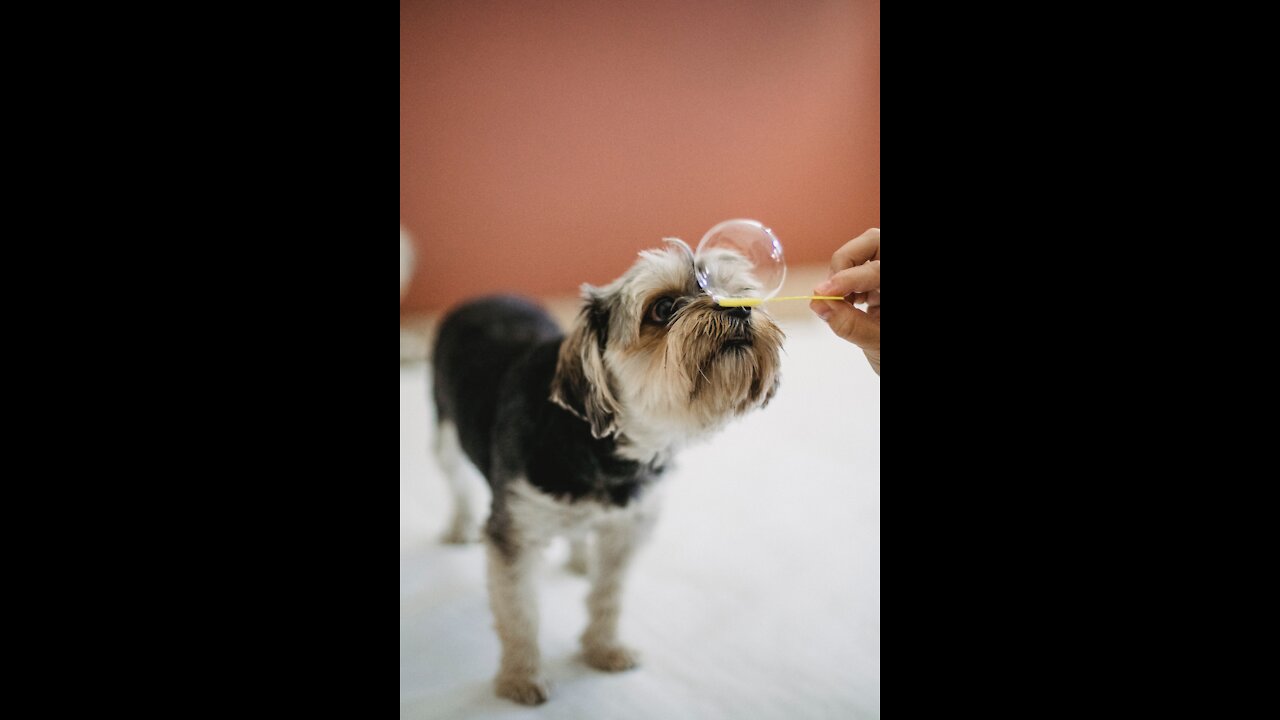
581 382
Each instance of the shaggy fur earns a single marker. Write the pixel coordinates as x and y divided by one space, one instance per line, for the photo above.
572 432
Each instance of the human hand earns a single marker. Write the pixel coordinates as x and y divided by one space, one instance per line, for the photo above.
855 274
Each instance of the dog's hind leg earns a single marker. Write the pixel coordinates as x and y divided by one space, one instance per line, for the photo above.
465 484
579 554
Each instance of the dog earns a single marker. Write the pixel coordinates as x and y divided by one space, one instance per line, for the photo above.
573 432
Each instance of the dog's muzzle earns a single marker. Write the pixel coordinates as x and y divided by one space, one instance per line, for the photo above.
740 327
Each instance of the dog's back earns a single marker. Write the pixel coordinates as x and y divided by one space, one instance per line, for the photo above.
478 341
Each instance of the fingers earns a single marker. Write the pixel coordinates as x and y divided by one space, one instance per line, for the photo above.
849 323
855 275
857 251
861 279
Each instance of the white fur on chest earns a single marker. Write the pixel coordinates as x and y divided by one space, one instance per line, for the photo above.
541 517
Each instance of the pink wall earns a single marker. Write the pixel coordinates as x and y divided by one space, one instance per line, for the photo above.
542 144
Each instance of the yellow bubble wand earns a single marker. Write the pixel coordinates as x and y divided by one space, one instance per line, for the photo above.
752 302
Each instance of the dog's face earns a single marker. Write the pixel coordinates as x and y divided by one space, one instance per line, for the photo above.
656 360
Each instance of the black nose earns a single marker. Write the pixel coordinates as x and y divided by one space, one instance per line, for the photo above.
739 312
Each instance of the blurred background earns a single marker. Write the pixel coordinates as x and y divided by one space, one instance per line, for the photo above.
542 145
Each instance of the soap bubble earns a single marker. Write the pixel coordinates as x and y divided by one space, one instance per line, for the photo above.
740 259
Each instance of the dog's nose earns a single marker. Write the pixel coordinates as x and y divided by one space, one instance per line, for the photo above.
741 313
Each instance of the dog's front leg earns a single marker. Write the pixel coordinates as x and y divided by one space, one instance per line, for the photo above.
616 543
515 611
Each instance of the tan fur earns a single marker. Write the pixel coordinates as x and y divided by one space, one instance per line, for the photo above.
514 601
654 387
515 613
672 384
616 543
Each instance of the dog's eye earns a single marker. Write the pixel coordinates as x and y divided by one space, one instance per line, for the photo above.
662 310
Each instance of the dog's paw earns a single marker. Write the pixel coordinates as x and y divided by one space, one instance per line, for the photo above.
523 689
611 658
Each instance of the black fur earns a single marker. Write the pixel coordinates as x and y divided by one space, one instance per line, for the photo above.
495 359
477 343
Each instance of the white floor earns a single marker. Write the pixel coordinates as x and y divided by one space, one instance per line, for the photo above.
758 597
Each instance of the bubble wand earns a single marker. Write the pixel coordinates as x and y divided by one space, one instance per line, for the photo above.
753 302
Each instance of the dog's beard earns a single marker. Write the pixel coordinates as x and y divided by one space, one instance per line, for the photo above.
701 371
727 365
622 372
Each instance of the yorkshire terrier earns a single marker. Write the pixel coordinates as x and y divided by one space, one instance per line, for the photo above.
572 433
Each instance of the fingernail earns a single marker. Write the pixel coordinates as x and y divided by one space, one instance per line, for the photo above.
823 289
824 315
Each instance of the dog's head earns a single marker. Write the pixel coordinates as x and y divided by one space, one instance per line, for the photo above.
654 359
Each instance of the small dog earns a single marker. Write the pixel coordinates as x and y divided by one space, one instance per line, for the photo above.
572 433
